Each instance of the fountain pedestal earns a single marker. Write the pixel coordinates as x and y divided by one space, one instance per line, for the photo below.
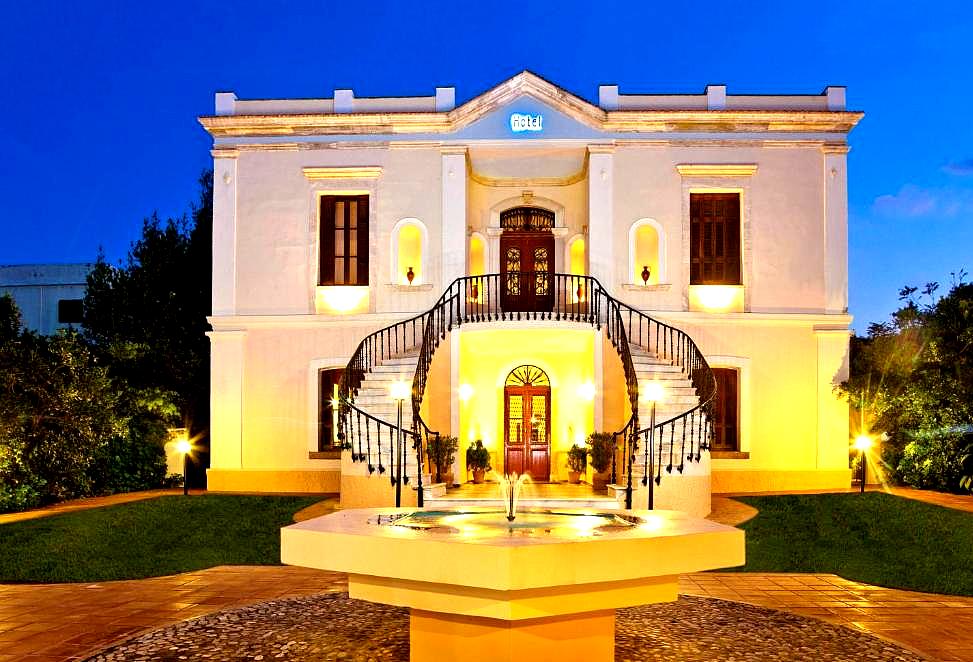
492 592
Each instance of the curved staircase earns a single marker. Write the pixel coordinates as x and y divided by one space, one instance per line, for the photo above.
649 350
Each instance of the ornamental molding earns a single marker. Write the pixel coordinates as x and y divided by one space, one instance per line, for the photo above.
717 169
342 172
835 148
529 84
527 182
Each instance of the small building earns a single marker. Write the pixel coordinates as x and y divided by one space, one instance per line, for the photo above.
534 267
49 295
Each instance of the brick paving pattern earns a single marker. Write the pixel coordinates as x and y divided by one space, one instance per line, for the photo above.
44 623
332 627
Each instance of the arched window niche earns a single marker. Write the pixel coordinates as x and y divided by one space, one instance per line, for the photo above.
409 251
647 248
477 258
577 258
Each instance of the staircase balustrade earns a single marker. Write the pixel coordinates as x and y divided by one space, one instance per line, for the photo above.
527 296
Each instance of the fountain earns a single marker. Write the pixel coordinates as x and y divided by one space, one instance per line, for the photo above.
510 486
487 583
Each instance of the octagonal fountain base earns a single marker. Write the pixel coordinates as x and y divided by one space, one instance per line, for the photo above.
544 586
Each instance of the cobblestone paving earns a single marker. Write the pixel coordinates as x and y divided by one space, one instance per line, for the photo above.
331 627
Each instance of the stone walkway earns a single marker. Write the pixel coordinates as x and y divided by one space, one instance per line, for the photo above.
48 623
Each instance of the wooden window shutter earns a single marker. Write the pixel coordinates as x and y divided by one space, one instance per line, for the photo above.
726 428
714 239
363 248
343 240
326 228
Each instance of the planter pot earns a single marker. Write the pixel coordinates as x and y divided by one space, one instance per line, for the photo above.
478 476
574 477
447 478
599 481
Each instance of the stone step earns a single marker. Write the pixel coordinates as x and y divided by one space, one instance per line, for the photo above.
394 368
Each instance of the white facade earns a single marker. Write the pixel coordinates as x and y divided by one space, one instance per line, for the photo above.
40 289
618 178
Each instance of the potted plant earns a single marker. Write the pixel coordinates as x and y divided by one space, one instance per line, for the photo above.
442 451
601 447
577 463
477 460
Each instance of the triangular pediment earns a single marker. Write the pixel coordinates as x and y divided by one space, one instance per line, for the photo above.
527 94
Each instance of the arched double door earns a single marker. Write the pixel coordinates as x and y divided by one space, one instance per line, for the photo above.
527 423
527 260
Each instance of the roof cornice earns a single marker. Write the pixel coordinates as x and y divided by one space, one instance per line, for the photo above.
527 83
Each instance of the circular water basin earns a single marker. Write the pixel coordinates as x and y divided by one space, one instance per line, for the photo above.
530 522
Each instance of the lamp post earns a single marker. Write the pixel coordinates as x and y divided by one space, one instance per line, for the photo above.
653 394
863 442
399 390
184 448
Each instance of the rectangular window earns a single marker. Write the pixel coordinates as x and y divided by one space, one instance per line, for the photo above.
714 238
328 381
726 427
344 240
70 311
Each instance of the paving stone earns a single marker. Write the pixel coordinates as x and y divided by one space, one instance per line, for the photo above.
332 627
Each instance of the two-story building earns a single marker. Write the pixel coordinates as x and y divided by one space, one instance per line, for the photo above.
527 263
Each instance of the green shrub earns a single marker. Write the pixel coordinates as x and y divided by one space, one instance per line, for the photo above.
477 457
578 459
442 449
601 448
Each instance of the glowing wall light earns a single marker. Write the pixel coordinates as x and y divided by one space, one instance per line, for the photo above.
465 392
716 298
586 391
341 299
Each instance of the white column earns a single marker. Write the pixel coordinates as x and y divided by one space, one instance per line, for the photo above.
454 214
224 232
226 399
835 228
600 217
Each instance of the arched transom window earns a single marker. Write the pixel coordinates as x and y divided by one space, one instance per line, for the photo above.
527 219
527 375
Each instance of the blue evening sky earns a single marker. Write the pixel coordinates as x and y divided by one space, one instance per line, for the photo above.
99 100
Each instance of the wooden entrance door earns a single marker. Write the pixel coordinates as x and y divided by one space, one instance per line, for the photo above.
527 260
527 423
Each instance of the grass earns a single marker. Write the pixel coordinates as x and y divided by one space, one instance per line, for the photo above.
161 536
875 538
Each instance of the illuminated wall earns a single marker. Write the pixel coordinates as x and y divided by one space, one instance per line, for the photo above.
409 255
646 253
477 255
486 357
577 255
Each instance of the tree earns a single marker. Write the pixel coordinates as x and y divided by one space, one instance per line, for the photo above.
912 377
64 422
146 317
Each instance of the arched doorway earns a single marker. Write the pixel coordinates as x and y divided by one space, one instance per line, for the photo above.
527 423
527 259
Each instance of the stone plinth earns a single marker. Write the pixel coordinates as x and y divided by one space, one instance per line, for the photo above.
523 594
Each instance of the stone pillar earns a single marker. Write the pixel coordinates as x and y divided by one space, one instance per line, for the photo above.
601 227
226 399
224 231
835 228
454 214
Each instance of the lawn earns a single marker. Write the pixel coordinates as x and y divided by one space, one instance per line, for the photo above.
149 538
874 537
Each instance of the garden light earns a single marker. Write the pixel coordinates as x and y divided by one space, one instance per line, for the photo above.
399 391
863 442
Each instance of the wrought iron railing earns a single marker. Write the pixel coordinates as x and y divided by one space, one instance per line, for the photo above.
678 348
524 296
